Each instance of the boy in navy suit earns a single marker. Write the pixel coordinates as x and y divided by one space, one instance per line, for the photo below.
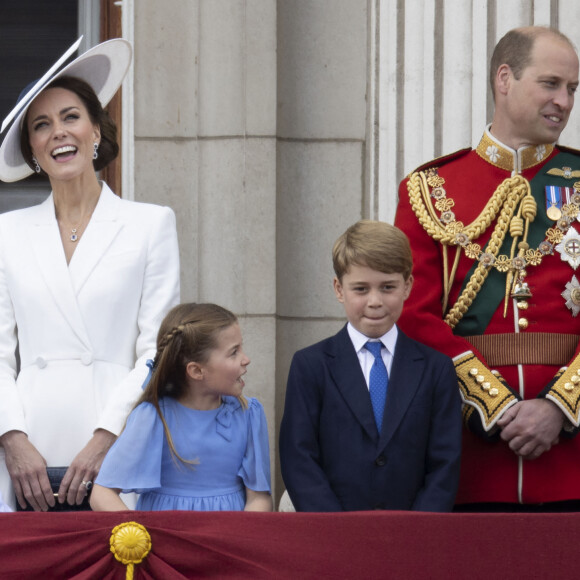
371 426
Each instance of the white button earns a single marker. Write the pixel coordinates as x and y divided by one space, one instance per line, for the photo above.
87 358
41 362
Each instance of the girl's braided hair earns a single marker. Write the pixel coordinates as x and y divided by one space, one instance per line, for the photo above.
188 333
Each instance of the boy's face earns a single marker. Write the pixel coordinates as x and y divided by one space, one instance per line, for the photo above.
372 300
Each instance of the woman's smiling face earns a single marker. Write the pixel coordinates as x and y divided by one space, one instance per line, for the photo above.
62 134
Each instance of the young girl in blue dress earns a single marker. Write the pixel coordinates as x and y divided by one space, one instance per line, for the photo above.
193 441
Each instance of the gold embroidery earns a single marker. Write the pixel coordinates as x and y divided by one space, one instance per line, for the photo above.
565 172
565 392
483 390
504 158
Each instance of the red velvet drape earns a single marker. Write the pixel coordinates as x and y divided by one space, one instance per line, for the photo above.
396 545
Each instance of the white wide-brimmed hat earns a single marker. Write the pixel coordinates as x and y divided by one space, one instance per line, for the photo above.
103 67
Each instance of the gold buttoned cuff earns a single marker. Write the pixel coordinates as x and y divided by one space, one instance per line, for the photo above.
565 392
483 389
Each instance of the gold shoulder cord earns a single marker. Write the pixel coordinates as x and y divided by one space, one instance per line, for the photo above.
481 390
507 198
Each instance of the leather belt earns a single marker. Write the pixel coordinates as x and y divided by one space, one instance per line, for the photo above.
531 348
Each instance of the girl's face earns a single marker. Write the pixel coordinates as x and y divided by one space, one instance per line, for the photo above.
223 371
62 135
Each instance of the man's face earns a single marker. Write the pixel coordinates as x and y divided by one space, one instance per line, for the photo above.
538 104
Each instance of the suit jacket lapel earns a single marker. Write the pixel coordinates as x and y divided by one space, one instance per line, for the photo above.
98 236
47 246
404 380
349 379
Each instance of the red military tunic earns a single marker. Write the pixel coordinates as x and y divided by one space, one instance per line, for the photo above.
540 328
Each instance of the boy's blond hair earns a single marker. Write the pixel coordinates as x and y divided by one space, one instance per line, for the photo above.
377 245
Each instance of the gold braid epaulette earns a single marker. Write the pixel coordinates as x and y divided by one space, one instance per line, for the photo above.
505 201
482 389
565 392
423 208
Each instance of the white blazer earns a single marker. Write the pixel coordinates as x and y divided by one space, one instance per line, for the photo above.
84 331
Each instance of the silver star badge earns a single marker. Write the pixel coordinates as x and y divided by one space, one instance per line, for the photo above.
569 248
572 296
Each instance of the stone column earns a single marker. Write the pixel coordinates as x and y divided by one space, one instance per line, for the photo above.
322 132
205 124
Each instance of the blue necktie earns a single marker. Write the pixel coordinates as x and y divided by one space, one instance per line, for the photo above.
379 379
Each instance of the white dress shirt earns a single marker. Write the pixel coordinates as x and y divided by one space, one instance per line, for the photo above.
365 357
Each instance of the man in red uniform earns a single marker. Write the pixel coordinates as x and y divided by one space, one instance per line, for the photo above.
496 245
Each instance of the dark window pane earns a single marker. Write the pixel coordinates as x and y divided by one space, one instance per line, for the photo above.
33 35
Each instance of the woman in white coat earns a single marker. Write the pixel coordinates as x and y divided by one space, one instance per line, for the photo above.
85 280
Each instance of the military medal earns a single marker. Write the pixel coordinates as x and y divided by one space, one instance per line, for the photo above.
569 248
554 202
572 296
554 213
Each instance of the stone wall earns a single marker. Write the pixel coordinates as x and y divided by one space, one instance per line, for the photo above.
270 126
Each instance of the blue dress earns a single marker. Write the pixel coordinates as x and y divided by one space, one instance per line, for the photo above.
230 443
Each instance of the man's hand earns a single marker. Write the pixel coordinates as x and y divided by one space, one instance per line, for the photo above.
531 427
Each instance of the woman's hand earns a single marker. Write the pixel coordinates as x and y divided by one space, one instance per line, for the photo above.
84 468
27 469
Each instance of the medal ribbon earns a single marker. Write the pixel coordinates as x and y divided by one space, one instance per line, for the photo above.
553 196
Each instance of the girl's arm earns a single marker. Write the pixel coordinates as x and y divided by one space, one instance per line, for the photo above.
105 499
257 501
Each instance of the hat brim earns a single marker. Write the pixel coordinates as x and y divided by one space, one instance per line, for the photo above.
103 67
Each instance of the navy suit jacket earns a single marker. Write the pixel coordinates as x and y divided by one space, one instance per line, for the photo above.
331 454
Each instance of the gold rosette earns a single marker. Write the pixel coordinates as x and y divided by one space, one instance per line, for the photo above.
130 544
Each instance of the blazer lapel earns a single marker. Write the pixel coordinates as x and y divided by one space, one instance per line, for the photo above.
347 374
47 247
404 380
98 236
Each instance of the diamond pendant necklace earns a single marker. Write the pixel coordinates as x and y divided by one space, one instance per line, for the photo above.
75 231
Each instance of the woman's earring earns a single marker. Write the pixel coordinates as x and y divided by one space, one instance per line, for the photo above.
36 166
95 150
